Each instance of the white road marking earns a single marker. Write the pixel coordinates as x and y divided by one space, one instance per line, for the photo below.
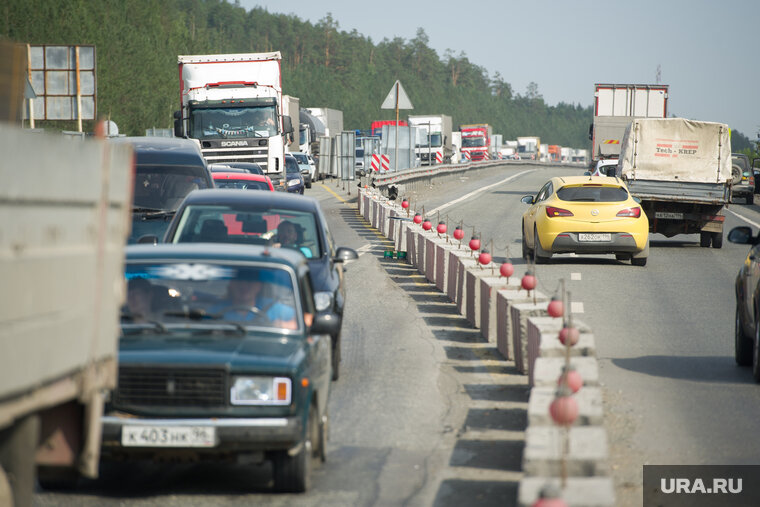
467 196
576 307
575 276
741 217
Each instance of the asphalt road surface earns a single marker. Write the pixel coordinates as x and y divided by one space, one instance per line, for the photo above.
427 413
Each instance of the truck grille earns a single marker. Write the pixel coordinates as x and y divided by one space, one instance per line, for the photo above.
221 155
171 387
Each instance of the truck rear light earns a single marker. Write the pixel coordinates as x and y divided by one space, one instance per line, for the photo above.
630 212
552 212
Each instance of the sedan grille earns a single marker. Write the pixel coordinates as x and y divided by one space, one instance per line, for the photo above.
171 387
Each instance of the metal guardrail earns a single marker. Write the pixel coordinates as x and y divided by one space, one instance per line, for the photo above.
383 181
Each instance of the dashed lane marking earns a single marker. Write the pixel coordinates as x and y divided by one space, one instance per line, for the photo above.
576 307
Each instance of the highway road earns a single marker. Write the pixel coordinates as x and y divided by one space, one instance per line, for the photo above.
427 413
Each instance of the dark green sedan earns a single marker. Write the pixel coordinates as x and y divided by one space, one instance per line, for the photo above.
222 356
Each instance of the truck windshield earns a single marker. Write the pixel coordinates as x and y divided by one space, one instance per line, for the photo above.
435 140
232 122
209 293
473 142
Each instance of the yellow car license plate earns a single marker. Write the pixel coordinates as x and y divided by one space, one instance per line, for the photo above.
594 236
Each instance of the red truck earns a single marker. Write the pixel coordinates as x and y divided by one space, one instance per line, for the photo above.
476 141
376 127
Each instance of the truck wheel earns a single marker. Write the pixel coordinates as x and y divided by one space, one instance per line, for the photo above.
542 256
717 239
705 238
292 474
742 342
17 445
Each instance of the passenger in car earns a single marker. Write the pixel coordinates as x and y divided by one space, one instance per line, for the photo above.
253 300
289 236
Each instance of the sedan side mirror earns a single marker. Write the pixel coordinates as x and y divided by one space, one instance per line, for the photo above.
344 254
528 199
325 323
742 235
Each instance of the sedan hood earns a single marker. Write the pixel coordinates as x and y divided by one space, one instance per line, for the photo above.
275 352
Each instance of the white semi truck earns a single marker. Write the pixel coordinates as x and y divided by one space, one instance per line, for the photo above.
433 144
232 104
615 106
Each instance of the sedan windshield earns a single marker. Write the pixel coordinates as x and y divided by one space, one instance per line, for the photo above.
249 225
592 193
163 294
242 184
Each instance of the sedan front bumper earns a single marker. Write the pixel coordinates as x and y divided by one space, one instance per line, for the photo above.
231 434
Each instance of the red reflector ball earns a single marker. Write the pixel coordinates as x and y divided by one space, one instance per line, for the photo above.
484 257
458 233
474 243
507 269
556 308
417 218
569 335
427 225
441 228
564 410
528 281
404 204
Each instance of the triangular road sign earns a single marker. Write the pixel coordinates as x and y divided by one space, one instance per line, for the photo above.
403 98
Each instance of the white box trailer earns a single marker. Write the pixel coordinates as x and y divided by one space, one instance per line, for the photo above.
681 171
433 144
615 106
66 207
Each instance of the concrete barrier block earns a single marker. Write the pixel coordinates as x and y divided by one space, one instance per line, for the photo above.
543 341
465 263
587 451
577 491
504 334
520 313
590 409
442 251
547 370
420 249
401 237
489 286
452 286
411 244
432 241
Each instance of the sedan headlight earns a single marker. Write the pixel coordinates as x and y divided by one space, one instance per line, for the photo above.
261 391
323 301
293 182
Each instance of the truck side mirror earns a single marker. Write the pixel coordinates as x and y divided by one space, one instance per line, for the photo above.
178 124
591 132
287 125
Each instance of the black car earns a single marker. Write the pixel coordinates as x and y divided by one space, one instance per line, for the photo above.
293 176
231 216
222 355
747 320
167 169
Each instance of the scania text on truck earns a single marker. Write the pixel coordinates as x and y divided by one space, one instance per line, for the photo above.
232 104
681 171
476 141
615 106
433 138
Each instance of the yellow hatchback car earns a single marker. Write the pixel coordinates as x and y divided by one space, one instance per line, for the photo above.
586 215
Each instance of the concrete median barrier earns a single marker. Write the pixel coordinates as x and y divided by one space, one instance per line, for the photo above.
518 323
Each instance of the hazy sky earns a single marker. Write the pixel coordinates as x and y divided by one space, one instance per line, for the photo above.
707 51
